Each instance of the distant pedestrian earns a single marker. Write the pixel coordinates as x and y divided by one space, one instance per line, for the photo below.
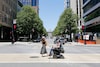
95 37
44 44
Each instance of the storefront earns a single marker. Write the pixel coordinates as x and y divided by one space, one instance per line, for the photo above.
88 39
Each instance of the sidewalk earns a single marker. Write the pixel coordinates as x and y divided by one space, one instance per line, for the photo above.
5 43
30 43
37 58
9 43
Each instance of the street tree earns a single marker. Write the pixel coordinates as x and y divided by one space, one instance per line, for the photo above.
66 23
28 19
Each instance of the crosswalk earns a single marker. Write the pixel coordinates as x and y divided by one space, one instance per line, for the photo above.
37 58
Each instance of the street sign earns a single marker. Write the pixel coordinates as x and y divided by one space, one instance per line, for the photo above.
14 21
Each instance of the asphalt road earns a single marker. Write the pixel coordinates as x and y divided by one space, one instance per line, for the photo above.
20 48
48 65
79 49
35 48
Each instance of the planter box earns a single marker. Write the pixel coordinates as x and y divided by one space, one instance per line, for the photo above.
87 42
98 41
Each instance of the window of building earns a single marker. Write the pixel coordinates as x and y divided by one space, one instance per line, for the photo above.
92 15
0 16
80 23
84 1
2 7
29 2
68 3
90 5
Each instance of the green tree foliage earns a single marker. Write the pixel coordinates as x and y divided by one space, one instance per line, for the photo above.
67 21
27 19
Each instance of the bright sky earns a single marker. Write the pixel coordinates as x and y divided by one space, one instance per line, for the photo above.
49 12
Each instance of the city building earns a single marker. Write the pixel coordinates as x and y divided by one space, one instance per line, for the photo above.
8 11
91 15
33 3
66 4
91 9
50 36
76 6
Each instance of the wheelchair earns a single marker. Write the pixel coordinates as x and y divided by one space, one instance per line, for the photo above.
57 53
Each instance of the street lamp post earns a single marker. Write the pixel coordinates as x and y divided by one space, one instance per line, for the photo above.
84 28
12 34
12 30
85 35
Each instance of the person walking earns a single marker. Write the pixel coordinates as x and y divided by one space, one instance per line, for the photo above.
43 49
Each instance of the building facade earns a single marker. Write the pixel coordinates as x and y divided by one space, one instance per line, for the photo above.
66 4
33 3
91 15
91 9
8 11
76 6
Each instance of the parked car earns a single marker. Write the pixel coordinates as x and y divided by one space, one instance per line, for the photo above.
55 41
37 40
62 41
24 39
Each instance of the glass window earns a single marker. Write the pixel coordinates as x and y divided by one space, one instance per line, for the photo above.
34 3
68 3
2 7
90 5
92 15
30 2
0 16
84 1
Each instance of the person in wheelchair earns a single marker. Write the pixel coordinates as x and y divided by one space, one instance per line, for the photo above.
57 50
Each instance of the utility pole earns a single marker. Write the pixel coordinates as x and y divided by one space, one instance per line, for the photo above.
12 32
85 35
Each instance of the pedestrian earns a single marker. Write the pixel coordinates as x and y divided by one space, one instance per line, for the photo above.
43 49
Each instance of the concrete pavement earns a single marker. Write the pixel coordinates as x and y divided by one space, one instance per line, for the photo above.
37 58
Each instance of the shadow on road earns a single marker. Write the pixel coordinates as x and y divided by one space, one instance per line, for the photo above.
34 57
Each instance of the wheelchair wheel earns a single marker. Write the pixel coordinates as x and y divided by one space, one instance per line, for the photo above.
62 57
55 56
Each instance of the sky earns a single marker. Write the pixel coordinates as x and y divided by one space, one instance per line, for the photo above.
49 12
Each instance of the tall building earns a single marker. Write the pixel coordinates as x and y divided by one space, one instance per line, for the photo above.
91 9
33 3
76 6
8 11
66 4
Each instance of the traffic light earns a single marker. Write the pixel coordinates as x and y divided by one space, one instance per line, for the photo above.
14 26
82 27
